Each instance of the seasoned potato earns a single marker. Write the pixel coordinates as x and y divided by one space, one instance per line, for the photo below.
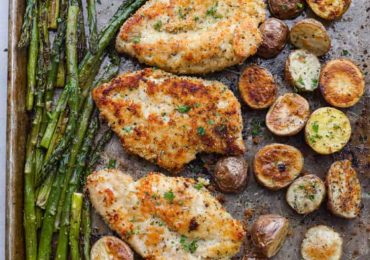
306 194
274 37
110 247
341 83
321 243
257 87
231 174
328 130
288 115
286 9
329 9
344 190
269 233
302 70
277 165
310 35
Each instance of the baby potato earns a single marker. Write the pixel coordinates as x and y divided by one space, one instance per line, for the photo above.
306 194
269 233
329 9
321 243
288 115
302 70
277 165
310 35
327 130
231 174
286 9
341 83
109 247
257 87
274 37
344 190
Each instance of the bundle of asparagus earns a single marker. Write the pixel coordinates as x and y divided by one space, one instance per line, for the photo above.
62 136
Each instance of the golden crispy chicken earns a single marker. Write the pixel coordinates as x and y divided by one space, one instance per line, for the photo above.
165 218
168 119
193 36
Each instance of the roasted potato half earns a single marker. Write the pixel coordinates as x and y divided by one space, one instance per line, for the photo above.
286 9
257 87
269 233
329 9
306 194
231 174
288 115
111 248
341 83
327 130
277 165
274 37
302 70
321 243
344 190
310 35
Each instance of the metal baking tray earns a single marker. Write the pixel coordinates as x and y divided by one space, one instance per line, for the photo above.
350 37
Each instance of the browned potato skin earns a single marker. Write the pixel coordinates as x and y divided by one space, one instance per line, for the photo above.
286 9
323 9
341 69
116 248
268 231
231 174
274 37
257 87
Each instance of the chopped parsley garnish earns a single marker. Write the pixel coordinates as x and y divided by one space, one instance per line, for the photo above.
301 187
196 18
211 122
111 164
158 25
315 127
300 80
169 196
212 11
314 83
181 14
183 109
196 105
311 197
336 127
300 5
345 52
201 131
188 246
127 129
256 127
136 39
198 186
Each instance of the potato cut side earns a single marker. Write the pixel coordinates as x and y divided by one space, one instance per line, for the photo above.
321 243
269 233
257 87
306 194
328 130
288 115
329 9
302 70
310 35
342 83
277 165
344 190
110 247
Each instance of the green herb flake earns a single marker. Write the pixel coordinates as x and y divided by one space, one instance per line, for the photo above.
111 164
188 246
301 187
136 39
201 131
169 196
180 13
314 82
311 197
196 105
212 11
198 186
183 109
315 127
300 81
256 127
211 122
300 5
345 52
127 129
158 25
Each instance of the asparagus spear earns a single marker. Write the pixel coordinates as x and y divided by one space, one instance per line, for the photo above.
24 39
32 63
58 134
47 228
53 14
75 225
81 44
93 27
87 65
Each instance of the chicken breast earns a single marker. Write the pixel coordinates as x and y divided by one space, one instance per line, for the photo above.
168 119
193 36
165 217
